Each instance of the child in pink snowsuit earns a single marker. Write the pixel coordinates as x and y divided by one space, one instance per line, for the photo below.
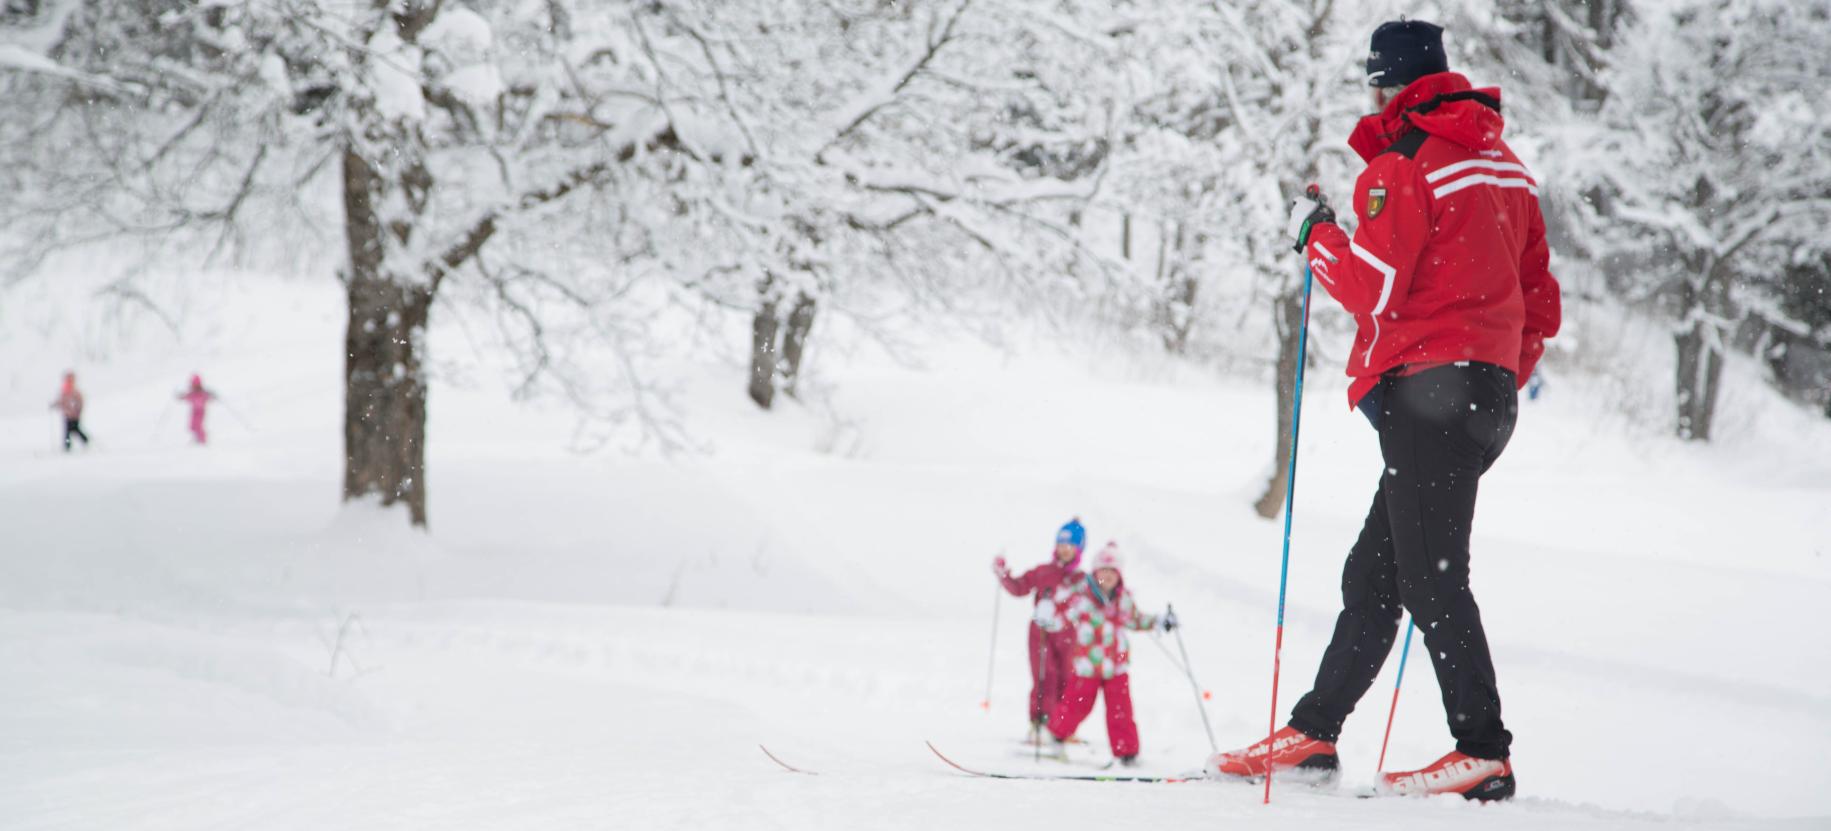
1095 611
70 403
198 397
1049 649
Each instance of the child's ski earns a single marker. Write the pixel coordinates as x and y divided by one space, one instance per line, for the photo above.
785 766
1060 776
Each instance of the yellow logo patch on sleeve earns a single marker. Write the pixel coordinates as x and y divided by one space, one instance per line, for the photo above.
1376 201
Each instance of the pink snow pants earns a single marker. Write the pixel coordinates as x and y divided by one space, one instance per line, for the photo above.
1049 662
1078 702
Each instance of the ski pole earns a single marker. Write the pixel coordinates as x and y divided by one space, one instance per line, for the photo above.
1168 656
1290 493
237 413
1403 654
1189 672
159 426
985 704
1036 683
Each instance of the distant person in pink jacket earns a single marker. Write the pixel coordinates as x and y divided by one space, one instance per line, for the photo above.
69 402
198 398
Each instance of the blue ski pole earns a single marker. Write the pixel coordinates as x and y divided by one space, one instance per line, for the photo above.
1290 493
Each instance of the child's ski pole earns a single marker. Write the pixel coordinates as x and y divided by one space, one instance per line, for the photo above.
236 413
992 661
1189 672
159 426
1036 680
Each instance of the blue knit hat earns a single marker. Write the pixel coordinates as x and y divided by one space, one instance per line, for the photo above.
1403 51
1073 534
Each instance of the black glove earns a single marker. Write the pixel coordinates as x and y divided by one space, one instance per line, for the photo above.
1168 621
1308 211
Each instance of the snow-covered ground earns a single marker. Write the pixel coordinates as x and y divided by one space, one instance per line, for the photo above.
204 638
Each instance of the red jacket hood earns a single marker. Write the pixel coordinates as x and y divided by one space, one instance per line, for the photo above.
1469 123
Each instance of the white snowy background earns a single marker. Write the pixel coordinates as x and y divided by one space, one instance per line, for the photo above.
203 637
1044 239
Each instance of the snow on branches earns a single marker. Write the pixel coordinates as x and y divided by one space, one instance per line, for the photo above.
1708 170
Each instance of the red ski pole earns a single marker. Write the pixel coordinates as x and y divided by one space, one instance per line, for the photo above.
1403 654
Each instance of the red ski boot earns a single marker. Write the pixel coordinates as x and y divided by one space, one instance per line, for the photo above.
1481 779
1288 753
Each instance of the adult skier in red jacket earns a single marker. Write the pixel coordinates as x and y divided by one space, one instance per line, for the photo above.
1049 652
1447 277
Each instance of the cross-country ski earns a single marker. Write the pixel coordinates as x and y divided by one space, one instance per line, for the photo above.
1067 777
785 766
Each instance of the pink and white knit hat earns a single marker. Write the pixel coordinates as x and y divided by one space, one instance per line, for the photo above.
1108 558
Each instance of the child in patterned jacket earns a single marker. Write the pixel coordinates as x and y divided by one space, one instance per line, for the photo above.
1095 611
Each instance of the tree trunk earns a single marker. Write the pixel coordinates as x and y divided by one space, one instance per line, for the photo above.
1177 307
794 341
384 422
763 328
1288 315
1700 368
1179 310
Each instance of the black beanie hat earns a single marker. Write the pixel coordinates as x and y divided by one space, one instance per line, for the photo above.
1404 51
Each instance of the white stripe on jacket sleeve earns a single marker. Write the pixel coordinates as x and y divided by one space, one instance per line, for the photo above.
1385 271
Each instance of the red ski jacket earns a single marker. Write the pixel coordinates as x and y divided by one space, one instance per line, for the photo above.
1449 261
69 403
1041 581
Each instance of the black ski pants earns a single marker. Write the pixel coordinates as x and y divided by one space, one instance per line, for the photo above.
1439 429
74 427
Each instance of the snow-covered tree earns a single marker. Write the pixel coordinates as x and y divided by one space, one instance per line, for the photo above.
421 131
1795 337
1569 38
768 157
898 149
1712 159
1247 103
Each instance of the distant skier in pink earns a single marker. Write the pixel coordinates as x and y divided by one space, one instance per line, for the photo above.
70 403
198 398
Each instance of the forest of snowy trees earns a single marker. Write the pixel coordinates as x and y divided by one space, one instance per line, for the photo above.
577 168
